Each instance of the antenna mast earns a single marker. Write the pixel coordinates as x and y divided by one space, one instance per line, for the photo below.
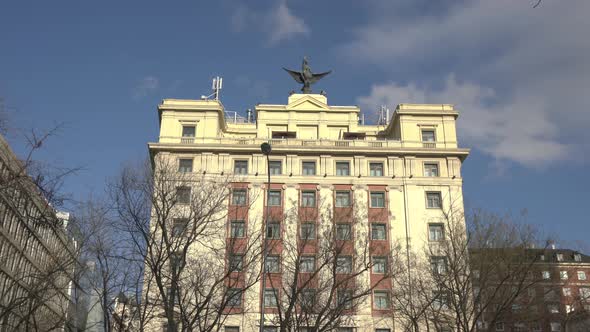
216 86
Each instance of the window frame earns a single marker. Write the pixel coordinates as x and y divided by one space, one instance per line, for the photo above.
382 262
182 169
337 198
381 292
308 162
274 225
374 225
376 206
239 291
245 198
349 229
243 229
194 129
279 196
235 262
583 274
179 196
273 169
427 130
240 170
275 298
308 258
438 194
305 198
382 168
436 167
313 233
439 238
348 266
278 264
338 164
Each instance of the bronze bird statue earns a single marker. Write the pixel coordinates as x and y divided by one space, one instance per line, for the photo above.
306 77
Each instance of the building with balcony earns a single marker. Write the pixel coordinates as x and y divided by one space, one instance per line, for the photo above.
397 178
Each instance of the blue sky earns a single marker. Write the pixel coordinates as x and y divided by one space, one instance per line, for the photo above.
518 75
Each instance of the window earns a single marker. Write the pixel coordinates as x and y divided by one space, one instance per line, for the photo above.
431 169
166 329
379 264
569 308
272 264
377 199
276 167
344 264
342 198
500 326
183 195
185 165
271 298
234 297
176 261
274 198
269 329
475 274
577 257
382 330
553 308
343 232
519 327
433 200
555 326
308 297
563 275
307 264
240 167
179 227
441 300
376 169
546 275
516 307
567 291
308 199
188 132
344 329
542 257
559 257
581 275
239 197
536 327
308 168
342 168
381 299
307 231
344 298
435 232
231 329
236 262
585 293
428 135
237 229
438 264
273 230
531 292
378 232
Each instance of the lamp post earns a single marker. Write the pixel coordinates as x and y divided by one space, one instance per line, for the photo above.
266 149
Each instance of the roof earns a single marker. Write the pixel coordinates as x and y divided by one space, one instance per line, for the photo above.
550 255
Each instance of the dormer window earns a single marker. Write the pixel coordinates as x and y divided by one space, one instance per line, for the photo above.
577 257
559 257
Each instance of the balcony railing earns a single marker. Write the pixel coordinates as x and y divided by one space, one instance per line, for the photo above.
377 144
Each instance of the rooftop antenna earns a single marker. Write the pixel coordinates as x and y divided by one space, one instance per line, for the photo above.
383 116
216 86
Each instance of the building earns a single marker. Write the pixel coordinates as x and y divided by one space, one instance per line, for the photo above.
397 177
557 298
37 258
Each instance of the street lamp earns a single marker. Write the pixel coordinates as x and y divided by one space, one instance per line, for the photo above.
266 149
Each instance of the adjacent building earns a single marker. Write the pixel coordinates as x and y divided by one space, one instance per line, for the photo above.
37 258
399 177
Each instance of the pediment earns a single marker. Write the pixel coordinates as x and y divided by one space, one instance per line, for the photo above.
307 103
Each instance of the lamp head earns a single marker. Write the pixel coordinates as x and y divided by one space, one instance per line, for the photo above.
265 148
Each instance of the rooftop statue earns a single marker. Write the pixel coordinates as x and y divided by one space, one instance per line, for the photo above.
306 77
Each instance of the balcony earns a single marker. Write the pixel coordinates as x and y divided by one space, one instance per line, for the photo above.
317 143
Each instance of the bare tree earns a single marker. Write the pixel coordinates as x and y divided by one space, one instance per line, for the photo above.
177 223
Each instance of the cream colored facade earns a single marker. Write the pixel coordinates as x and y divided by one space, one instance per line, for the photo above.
306 129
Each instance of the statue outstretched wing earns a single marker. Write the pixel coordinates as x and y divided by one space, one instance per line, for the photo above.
317 77
297 76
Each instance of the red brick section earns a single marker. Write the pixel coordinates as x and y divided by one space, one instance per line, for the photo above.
275 246
236 245
308 247
381 248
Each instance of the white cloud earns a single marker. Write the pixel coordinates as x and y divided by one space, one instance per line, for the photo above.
523 72
278 23
510 130
145 86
